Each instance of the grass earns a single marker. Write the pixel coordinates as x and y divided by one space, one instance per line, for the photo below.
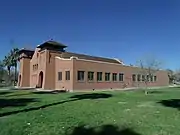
98 113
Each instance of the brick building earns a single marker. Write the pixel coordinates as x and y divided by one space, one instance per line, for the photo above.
50 66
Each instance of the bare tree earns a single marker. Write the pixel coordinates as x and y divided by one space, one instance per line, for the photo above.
148 66
177 75
172 76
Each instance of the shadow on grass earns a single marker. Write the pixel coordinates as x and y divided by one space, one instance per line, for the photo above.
75 98
155 92
104 130
16 102
174 103
5 92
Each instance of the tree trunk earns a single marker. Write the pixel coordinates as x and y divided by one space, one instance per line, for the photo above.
146 88
9 75
15 76
9 70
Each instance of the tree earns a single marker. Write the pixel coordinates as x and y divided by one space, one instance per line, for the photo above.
148 66
1 70
177 75
8 63
171 75
11 61
14 60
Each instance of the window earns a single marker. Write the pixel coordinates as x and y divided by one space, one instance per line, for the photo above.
134 77
138 77
80 76
107 76
147 79
121 77
90 76
143 77
99 76
59 76
114 77
151 78
155 78
67 75
35 67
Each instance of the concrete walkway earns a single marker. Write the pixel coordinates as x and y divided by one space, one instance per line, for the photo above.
125 89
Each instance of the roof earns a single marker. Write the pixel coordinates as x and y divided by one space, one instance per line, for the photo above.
25 50
88 57
52 43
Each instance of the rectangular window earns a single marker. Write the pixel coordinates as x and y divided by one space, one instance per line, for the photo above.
114 77
90 76
99 76
80 75
155 78
107 76
147 78
143 77
151 78
138 77
133 77
67 75
121 77
59 76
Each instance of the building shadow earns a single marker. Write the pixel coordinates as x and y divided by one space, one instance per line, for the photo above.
177 87
104 130
20 94
13 88
91 96
174 103
34 92
49 92
16 102
71 99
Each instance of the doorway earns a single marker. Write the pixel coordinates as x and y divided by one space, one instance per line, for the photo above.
40 82
19 80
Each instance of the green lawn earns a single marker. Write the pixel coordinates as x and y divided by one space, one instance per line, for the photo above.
97 113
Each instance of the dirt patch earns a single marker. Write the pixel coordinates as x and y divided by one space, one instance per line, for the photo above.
127 110
146 104
121 102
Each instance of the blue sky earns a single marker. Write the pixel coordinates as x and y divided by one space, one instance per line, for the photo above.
125 29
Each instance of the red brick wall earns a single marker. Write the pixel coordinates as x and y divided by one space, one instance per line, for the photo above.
162 78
